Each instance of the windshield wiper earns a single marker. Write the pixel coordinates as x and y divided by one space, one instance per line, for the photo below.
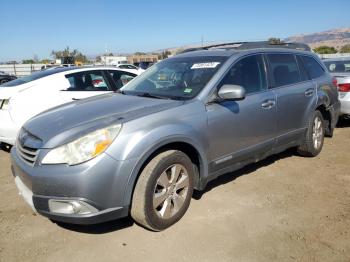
146 94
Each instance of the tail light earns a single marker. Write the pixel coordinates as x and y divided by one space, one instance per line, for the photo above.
344 87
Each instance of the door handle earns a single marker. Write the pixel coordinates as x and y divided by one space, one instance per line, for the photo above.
75 99
309 92
268 104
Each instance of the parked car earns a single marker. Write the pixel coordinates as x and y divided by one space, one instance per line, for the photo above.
131 67
4 77
144 150
25 97
340 69
144 65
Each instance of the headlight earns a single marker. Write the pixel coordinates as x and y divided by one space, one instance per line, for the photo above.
4 104
84 148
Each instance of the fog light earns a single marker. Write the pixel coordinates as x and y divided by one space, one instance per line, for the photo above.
75 207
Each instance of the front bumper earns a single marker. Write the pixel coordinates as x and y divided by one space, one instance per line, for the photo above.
8 129
100 182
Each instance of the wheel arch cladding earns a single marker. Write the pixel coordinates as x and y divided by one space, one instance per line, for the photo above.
326 114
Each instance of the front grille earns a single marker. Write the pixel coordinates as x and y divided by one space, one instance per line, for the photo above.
28 155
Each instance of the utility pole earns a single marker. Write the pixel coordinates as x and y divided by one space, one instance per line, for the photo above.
202 40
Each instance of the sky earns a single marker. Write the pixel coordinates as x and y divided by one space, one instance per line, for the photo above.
36 27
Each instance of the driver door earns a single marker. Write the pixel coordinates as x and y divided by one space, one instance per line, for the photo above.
240 130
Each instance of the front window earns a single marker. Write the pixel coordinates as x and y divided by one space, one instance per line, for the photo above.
121 78
338 66
176 78
249 73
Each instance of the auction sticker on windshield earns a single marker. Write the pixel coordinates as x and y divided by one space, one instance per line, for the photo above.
205 65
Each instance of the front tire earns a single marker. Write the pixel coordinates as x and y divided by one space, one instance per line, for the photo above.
314 136
163 191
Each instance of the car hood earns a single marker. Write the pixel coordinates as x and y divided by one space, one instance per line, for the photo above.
68 122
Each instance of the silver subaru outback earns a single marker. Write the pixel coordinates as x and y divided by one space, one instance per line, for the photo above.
188 119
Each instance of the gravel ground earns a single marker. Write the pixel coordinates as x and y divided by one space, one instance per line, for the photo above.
285 208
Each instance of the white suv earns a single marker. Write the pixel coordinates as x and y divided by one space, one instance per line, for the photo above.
25 97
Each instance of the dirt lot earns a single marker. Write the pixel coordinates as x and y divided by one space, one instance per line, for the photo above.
285 208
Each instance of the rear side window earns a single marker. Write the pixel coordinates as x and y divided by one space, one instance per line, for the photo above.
313 67
249 73
303 72
87 81
284 69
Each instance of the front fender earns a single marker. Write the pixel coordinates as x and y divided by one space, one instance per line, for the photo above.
141 147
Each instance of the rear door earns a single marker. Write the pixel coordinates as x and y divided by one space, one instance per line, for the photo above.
296 96
86 84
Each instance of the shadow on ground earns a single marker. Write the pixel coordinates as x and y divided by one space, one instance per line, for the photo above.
229 177
102 228
343 122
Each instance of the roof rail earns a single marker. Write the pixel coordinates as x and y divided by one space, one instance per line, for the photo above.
252 45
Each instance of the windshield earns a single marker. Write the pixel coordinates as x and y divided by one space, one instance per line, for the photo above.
338 66
176 78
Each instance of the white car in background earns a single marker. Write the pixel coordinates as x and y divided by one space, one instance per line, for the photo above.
340 69
25 97
130 67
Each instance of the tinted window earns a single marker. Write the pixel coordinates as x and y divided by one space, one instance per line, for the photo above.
284 69
313 67
338 66
121 78
87 81
303 73
248 73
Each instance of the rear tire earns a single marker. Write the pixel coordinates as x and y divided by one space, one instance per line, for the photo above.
314 136
163 191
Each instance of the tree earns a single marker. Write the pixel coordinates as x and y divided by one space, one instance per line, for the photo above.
28 61
165 54
139 53
325 50
78 56
345 49
34 60
45 61
275 41
98 59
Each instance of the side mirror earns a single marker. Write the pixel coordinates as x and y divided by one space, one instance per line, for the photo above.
231 92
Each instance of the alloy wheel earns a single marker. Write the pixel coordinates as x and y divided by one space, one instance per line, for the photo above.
171 191
317 133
